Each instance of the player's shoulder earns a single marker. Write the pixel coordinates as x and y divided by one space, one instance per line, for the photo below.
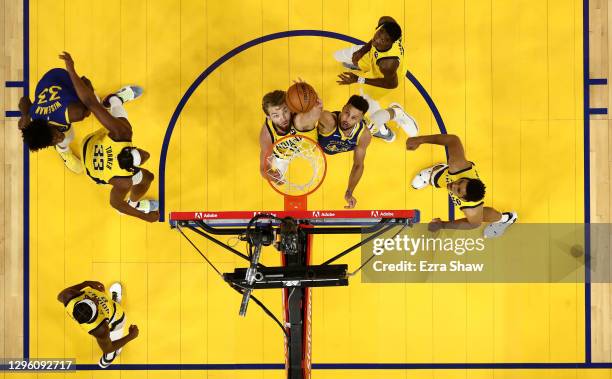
328 119
365 137
327 123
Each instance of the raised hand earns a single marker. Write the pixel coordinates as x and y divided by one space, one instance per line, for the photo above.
67 58
413 143
347 78
350 200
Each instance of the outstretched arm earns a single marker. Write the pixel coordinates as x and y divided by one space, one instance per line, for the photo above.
306 121
326 122
388 67
265 144
118 130
357 170
357 55
121 187
265 147
69 292
456 155
85 92
473 218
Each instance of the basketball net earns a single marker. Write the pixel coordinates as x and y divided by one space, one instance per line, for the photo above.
295 168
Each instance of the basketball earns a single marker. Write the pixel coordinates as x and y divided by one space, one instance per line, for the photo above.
301 97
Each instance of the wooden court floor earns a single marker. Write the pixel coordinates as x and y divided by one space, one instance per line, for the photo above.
506 76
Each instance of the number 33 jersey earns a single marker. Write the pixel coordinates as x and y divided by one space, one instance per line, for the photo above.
100 157
54 93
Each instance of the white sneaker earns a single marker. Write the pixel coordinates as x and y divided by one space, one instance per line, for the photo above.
342 57
129 93
389 137
404 120
116 292
496 229
423 178
125 94
70 160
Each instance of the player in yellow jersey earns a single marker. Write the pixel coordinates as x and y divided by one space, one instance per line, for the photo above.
378 68
460 178
99 315
280 122
108 154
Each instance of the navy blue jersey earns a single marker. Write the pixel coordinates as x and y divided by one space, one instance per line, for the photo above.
54 92
336 142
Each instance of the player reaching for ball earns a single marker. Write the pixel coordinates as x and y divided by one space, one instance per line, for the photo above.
281 121
99 315
347 130
460 178
108 154
379 64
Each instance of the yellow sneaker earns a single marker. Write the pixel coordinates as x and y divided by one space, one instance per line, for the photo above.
70 160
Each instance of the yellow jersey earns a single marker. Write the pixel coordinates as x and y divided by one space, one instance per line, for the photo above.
275 135
107 309
287 148
369 62
100 157
445 177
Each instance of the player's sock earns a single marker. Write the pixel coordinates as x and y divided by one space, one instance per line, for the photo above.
373 105
379 118
377 126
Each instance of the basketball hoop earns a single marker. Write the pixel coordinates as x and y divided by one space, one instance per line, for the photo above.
291 233
295 168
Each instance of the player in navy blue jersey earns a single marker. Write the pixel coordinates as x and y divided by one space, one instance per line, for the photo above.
48 121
